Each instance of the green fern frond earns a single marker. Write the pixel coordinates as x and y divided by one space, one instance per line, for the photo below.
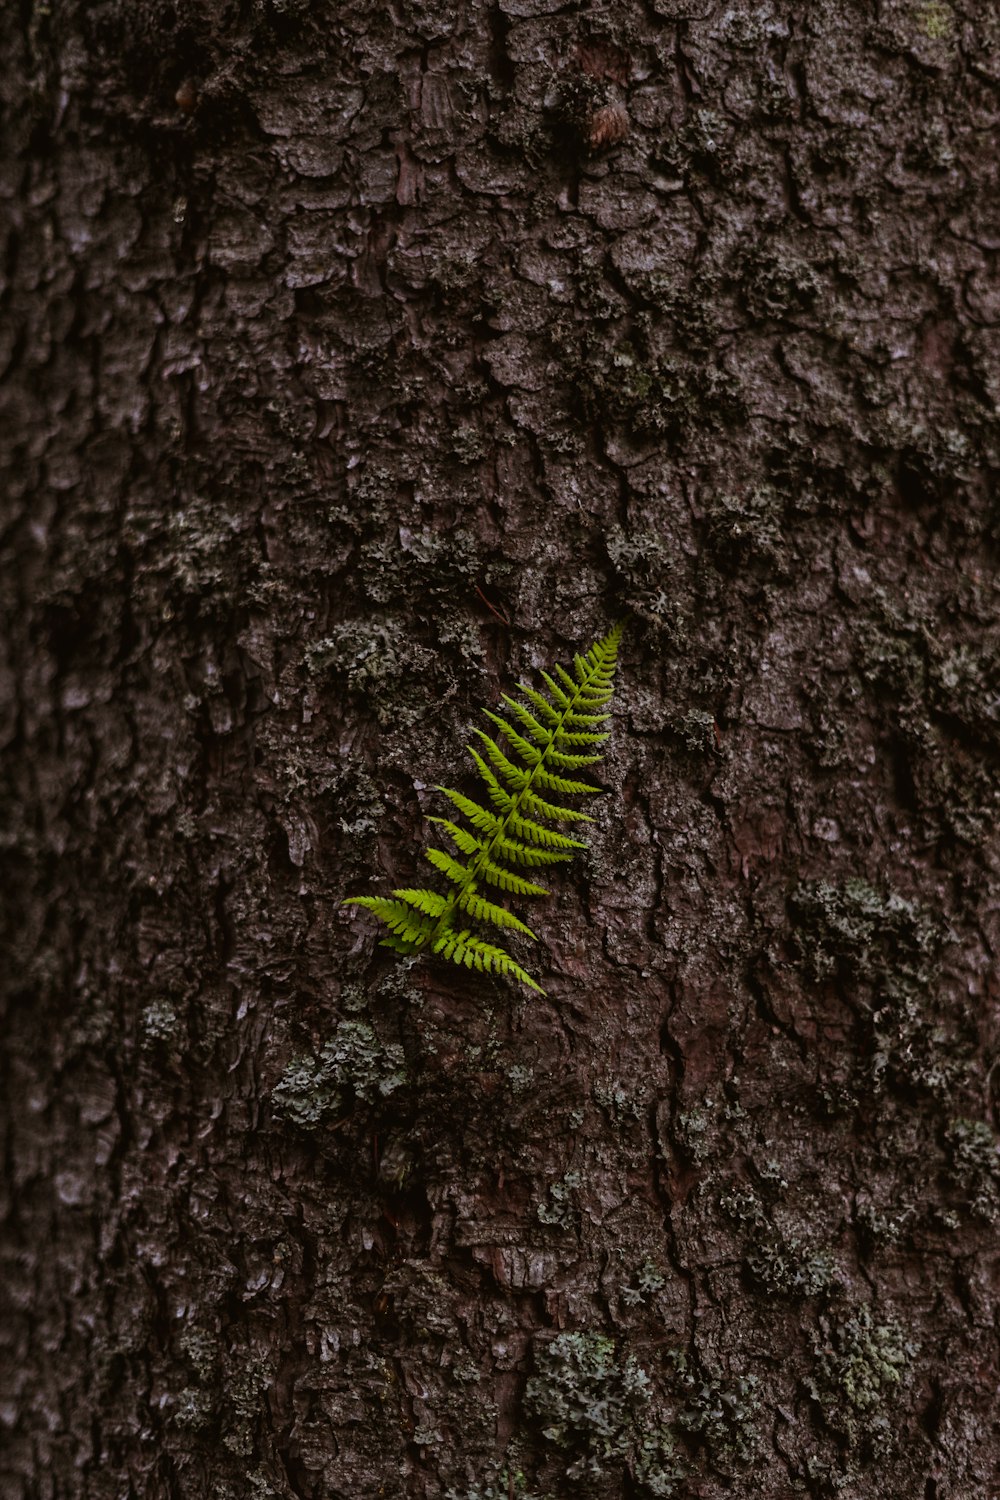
549 733
463 948
582 721
487 911
495 874
539 808
479 817
448 866
524 854
527 720
561 784
539 834
429 902
572 688
563 737
515 778
398 917
400 945
508 881
571 762
551 715
460 836
562 702
524 748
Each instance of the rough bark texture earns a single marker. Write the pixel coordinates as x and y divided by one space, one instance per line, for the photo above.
330 336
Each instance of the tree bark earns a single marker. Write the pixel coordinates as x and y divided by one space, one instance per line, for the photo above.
356 364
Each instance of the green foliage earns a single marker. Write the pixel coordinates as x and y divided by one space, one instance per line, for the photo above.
542 740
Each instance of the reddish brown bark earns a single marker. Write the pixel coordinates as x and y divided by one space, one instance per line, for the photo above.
354 364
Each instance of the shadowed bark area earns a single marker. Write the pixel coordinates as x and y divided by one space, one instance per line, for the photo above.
355 365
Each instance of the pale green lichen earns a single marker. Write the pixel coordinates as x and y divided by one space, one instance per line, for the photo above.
468 444
353 1064
499 1484
936 20
775 282
192 1409
595 1407
883 1226
378 661
694 1131
885 950
558 1206
241 1405
719 1413
658 397
741 1204
647 1281
786 1267
745 529
159 1023
520 1079
649 573
862 1361
697 731
201 1348
975 1166
853 931
618 1103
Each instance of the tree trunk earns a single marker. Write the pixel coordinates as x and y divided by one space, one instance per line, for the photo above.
357 365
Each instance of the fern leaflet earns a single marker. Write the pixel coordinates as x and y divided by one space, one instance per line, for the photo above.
550 733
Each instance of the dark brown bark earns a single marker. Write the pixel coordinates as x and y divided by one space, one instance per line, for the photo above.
333 338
